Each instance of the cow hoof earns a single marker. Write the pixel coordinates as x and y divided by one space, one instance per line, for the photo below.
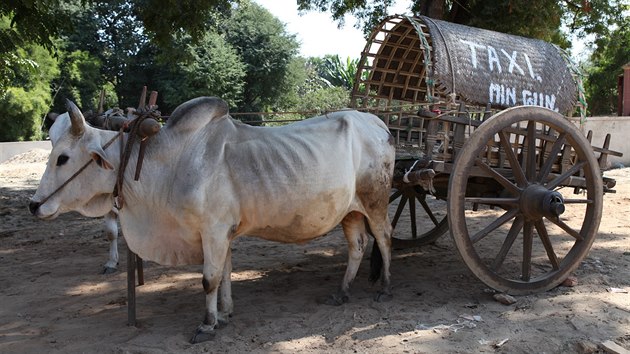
383 297
109 270
222 322
335 300
200 336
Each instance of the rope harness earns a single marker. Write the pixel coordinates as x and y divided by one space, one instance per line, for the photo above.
135 133
134 129
111 141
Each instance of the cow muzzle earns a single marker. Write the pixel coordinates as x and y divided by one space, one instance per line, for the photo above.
36 208
33 206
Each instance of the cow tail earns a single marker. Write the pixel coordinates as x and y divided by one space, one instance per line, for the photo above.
376 263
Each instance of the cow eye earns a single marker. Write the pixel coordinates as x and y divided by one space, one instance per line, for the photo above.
62 159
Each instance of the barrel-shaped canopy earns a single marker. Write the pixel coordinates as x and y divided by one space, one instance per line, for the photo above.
425 60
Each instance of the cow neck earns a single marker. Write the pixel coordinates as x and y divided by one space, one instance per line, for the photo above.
133 136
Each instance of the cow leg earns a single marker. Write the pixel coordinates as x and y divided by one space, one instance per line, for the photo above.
215 251
354 229
111 232
225 291
382 232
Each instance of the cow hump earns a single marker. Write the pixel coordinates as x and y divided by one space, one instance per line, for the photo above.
196 113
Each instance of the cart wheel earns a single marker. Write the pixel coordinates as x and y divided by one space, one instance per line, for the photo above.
431 219
514 226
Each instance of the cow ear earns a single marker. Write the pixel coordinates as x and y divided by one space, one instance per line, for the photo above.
98 155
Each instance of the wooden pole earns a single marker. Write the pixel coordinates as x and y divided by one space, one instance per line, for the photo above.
131 287
140 268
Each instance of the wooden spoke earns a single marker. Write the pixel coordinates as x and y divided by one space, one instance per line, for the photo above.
494 225
519 175
422 231
544 237
568 229
528 238
493 201
512 164
578 201
429 212
498 177
568 173
395 195
555 150
399 210
530 165
412 216
516 228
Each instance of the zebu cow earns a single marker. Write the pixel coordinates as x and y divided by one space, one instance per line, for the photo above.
207 179
110 225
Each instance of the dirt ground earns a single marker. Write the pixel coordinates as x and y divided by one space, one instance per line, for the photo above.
54 299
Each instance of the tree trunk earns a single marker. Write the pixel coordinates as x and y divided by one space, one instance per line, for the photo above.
430 8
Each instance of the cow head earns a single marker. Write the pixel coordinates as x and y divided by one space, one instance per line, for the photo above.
75 144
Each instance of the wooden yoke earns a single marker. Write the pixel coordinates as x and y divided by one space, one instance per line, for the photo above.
114 119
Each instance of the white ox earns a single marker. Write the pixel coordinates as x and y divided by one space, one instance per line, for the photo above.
110 223
207 179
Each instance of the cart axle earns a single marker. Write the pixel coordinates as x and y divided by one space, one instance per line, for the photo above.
537 201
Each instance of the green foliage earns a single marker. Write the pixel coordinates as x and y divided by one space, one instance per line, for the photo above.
21 114
32 21
367 12
40 21
264 46
540 19
535 19
325 99
309 93
165 20
79 80
214 69
108 32
594 16
605 67
338 73
27 98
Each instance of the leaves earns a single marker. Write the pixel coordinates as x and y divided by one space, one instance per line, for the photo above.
338 73
606 62
26 99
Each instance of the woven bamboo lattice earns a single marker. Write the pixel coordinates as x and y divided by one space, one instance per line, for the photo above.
413 63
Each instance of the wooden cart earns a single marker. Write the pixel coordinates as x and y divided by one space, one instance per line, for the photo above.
483 150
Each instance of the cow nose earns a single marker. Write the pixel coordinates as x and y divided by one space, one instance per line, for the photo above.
33 206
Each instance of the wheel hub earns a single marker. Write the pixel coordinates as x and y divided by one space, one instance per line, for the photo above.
537 201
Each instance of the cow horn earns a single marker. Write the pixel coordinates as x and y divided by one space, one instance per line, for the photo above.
76 118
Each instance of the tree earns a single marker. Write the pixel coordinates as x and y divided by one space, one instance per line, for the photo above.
40 21
307 93
266 49
27 98
605 66
336 72
37 22
79 80
109 32
213 69
161 21
541 19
